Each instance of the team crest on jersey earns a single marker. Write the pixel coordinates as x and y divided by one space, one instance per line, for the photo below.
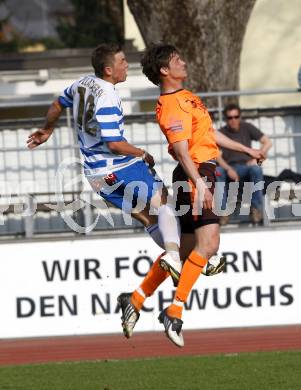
175 125
197 103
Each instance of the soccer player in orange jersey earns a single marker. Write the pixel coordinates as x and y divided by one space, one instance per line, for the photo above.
187 125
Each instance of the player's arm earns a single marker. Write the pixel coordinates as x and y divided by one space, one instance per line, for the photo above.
228 143
110 121
127 149
180 149
40 136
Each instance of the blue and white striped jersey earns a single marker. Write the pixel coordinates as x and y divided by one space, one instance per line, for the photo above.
98 119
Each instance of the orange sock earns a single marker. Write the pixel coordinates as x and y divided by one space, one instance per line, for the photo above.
191 271
137 299
175 309
155 276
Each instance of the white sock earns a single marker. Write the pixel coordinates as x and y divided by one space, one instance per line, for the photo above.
169 227
155 234
176 256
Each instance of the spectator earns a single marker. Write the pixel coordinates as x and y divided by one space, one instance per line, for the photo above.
236 166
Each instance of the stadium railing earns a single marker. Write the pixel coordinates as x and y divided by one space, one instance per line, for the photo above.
30 205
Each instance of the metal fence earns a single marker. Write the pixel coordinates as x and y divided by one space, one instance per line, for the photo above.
30 204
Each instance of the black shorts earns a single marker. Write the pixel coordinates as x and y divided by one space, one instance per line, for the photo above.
188 221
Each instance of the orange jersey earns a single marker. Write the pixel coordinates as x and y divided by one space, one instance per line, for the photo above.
183 116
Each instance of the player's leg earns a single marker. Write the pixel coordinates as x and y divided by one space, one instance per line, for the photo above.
155 194
155 277
206 229
133 189
131 303
129 199
187 244
169 227
216 263
155 200
150 223
207 242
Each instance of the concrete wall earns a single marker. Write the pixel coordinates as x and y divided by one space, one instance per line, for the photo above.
131 29
271 52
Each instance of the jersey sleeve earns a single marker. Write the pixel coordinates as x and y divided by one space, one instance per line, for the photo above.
66 98
176 121
110 119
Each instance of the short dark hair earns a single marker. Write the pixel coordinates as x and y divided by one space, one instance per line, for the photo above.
155 57
102 56
230 107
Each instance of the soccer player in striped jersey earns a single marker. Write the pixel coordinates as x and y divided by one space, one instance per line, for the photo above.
111 164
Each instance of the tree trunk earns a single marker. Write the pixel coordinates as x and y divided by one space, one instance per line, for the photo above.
115 10
208 34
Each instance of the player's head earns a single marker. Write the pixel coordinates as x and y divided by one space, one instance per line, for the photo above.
109 63
232 116
162 60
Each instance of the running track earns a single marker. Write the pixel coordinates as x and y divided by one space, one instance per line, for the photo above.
197 342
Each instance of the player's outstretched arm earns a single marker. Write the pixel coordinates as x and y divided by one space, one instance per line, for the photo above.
127 149
228 143
40 136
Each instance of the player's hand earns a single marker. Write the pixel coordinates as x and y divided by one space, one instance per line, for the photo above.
232 174
204 197
149 159
208 200
38 137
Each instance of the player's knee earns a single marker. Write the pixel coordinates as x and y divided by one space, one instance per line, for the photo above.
212 249
208 248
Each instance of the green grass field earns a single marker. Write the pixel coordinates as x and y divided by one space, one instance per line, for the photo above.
277 370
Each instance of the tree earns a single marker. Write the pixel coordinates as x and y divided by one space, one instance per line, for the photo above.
208 33
93 22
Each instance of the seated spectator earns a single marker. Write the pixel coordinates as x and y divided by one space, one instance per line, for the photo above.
237 166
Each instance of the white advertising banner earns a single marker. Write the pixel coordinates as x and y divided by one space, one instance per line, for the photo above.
70 287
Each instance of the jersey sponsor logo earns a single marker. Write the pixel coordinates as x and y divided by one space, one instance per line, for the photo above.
175 125
110 179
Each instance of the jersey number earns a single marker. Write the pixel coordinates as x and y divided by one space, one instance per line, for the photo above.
85 112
